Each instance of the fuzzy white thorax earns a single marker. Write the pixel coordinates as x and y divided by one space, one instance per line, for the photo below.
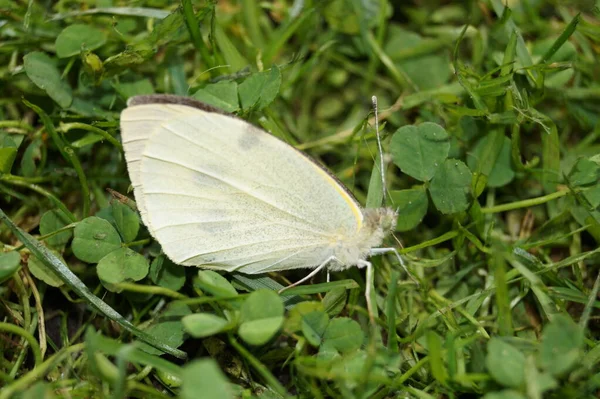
352 251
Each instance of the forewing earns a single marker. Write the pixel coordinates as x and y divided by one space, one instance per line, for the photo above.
137 125
217 191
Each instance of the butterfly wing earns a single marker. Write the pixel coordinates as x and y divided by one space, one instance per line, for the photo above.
217 192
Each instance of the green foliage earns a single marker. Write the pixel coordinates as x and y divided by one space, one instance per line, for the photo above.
40 271
167 274
261 316
223 95
259 89
214 283
122 264
412 207
201 325
42 71
50 223
126 221
450 187
343 335
204 377
94 238
76 38
535 369
505 363
9 264
168 327
419 150
489 119
7 157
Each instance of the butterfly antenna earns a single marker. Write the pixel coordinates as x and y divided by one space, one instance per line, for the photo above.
379 146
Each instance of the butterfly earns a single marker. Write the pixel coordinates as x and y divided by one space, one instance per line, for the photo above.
219 193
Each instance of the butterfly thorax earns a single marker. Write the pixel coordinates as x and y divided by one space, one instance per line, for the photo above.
350 251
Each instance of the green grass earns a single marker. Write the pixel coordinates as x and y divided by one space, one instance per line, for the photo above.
490 125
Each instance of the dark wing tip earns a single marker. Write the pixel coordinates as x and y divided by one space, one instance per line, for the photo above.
173 99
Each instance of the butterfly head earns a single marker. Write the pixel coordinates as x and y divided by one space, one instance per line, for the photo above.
352 250
380 219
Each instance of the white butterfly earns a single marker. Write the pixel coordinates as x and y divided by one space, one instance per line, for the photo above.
217 192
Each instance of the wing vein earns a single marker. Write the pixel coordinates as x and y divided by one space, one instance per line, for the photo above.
241 189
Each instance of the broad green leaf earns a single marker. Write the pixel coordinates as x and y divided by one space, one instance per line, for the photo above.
51 221
584 172
537 382
122 264
354 365
562 341
88 108
204 378
261 316
10 140
9 264
126 220
7 158
313 326
411 205
260 89
505 363
43 273
94 238
500 172
343 334
201 325
592 196
42 71
293 321
77 38
215 284
169 327
335 300
167 274
419 150
450 188
223 95
31 158
135 88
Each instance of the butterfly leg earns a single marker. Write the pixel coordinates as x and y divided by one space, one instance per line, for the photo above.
380 251
369 283
310 275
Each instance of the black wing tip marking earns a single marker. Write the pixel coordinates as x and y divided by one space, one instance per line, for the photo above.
174 99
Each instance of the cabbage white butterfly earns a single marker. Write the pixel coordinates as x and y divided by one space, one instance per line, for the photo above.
219 193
